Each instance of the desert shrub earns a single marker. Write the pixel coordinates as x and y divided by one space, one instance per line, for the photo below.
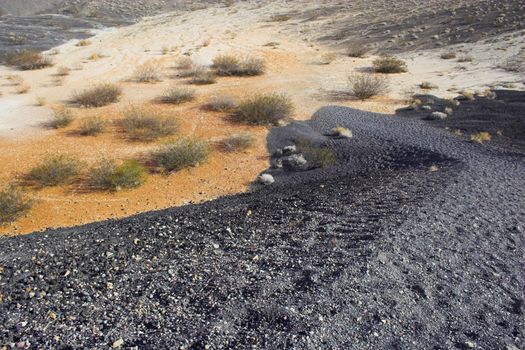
13 203
264 109
232 65
316 156
95 56
237 142
328 57
110 176
427 85
28 60
83 42
55 170
91 126
467 95
41 101
63 71
165 50
61 118
147 124
357 50
448 55
180 154
147 73
178 95
481 137
221 104
389 64
202 76
280 18
465 58
15 79
365 86
183 62
98 95
23 89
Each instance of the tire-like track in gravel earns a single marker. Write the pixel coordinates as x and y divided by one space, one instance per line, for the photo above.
376 253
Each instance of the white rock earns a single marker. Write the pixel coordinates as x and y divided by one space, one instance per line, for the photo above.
266 179
438 115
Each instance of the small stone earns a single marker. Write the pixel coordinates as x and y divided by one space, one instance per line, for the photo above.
266 179
118 343
52 315
425 108
438 116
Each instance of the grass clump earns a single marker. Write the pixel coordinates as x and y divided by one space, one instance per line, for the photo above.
13 204
147 124
92 126
357 50
55 170
83 42
237 142
481 137
389 64
264 109
28 60
221 104
316 156
364 86
178 95
232 65
98 95
63 71
62 117
181 154
108 175
448 55
147 73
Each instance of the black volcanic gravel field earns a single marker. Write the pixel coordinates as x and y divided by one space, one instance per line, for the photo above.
378 252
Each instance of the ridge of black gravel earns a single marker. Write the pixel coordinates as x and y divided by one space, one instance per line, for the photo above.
378 252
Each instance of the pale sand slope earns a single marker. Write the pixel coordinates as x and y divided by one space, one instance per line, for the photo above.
245 28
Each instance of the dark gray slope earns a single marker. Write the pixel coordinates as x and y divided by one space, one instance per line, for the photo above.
377 253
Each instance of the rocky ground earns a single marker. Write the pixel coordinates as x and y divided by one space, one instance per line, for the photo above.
415 240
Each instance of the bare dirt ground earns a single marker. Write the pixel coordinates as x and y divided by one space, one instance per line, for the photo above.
293 48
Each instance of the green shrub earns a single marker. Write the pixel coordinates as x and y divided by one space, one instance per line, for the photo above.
91 126
147 124
180 154
364 86
55 170
178 95
13 204
238 142
108 176
389 64
264 109
221 104
98 95
61 118
316 156
232 65
28 60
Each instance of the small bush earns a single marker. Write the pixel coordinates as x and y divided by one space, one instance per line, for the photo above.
357 50
95 56
61 118
280 18
181 154
91 126
28 60
448 55
63 71
342 132
178 95
55 170
202 76
41 101
15 80
107 175
83 42
183 63
264 109
364 86
221 104
481 137
316 156
98 96
232 65
389 64
238 142
23 89
328 58
147 124
427 85
13 204
147 73
465 58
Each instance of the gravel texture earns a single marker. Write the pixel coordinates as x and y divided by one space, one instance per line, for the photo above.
414 241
